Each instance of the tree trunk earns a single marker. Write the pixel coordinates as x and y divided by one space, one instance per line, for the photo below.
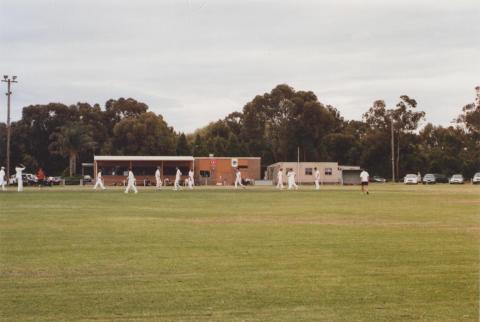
398 155
72 164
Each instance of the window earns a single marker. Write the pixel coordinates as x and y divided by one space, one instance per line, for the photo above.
204 173
308 171
243 166
328 171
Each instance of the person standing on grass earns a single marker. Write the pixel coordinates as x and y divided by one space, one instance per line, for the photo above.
291 180
40 176
280 179
2 178
178 177
99 181
238 179
317 179
364 177
158 179
18 174
190 179
131 182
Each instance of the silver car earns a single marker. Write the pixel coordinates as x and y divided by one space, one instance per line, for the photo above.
456 178
476 178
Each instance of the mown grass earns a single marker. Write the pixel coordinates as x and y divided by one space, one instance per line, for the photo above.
398 254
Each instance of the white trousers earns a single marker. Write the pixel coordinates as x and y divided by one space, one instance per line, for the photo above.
99 183
176 185
190 183
20 185
317 184
280 184
292 184
131 186
158 182
2 184
238 182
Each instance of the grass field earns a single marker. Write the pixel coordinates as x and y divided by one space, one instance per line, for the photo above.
399 254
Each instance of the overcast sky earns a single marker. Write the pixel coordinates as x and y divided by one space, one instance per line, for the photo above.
195 61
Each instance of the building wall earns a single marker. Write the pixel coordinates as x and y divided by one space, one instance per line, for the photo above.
222 172
301 170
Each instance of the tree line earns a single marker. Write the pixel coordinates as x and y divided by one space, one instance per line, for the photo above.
277 126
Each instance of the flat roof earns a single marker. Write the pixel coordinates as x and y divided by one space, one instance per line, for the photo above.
227 158
141 158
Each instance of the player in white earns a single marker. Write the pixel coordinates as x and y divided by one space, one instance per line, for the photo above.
291 180
364 177
238 179
2 178
158 179
131 182
191 181
178 177
19 177
280 179
317 179
99 181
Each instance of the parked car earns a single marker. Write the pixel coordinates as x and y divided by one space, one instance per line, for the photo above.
456 178
476 178
54 180
440 178
87 178
410 179
429 178
378 179
28 179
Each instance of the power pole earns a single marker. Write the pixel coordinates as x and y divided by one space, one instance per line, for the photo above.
9 81
393 148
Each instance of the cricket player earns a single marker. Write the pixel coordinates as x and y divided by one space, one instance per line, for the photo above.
191 182
291 180
131 182
178 177
158 179
364 177
99 181
2 178
317 179
238 179
280 179
19 177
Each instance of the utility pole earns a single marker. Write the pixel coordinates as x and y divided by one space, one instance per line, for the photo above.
9 81
393 148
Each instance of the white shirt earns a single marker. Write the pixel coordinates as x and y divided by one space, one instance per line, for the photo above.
157 174
239 175
317 175
2 175
291 175
178 175
364 176
19 172
99 175
190 174
131 177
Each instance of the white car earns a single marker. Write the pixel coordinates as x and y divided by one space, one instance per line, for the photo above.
476 178
456 178
410 179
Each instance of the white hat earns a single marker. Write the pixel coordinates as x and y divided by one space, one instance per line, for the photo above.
3 168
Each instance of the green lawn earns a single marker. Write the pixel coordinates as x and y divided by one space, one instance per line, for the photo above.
402 253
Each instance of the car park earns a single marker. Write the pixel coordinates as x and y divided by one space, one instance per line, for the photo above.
410 179
456 179
476 178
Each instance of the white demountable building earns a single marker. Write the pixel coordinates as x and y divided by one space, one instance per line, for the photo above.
330 172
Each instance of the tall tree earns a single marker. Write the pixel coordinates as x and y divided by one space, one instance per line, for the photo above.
69 140
183 148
